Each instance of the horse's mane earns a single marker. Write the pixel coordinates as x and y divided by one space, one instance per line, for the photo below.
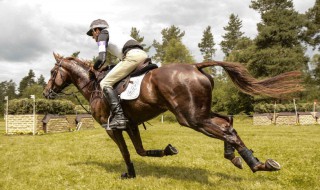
81 62
87 63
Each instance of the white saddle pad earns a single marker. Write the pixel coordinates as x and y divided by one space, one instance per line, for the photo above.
133 90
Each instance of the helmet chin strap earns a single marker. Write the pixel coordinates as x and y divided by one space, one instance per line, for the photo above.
95 33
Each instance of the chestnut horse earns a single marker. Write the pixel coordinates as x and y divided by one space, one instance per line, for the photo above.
183 89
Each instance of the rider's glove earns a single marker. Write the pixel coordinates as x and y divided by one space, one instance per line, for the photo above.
92 76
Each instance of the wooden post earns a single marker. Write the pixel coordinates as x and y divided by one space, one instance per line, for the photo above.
34 113
295 108
274 112
7 106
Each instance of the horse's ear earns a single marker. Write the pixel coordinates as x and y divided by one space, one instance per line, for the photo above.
57 57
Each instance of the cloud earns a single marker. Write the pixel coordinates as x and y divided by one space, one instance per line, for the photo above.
22 37
32 30
30 36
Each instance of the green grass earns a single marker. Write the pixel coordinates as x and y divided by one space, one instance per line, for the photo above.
90 160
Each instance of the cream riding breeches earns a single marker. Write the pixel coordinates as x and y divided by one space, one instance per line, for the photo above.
130 62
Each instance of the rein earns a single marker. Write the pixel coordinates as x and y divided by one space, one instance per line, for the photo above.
67 94
74 95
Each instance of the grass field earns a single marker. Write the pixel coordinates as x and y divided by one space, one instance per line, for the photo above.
90 160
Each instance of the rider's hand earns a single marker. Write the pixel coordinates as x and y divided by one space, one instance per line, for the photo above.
92 76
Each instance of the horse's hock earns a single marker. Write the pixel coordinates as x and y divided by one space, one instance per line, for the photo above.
50 123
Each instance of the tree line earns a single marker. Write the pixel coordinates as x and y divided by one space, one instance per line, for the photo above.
280 46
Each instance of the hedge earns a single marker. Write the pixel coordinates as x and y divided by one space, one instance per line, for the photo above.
43 106
269 108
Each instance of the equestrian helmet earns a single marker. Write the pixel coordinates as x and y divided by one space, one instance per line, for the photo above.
99 23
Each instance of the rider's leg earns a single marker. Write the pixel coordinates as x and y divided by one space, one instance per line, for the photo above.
132 59
119 121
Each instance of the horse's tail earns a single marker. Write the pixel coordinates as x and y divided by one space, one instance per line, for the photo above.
285 83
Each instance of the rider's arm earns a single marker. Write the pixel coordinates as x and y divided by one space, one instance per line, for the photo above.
103 40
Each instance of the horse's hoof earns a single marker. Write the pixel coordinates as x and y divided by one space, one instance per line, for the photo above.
272 165
126 176
237 162
170 150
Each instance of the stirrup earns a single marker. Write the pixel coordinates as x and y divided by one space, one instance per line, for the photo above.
115 125
120 125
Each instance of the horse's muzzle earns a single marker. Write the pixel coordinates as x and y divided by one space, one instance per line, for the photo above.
49 94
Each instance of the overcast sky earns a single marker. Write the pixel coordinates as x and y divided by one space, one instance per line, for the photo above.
32 30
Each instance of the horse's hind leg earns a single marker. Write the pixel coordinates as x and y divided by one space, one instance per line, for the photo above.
221 128
229 154
228 148
135 137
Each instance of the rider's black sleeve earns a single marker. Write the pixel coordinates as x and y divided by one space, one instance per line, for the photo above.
103 40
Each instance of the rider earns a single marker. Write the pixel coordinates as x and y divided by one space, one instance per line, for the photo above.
131 54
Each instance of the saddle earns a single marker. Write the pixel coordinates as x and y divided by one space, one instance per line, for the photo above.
121 86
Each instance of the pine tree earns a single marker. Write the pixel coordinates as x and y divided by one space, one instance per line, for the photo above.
312 80
27 81
278 48
176 52
172 48
41 81
207 45
242 52
11 89
316 72
280 25
312 34
135 34
75 54
232 35
167 34
7 88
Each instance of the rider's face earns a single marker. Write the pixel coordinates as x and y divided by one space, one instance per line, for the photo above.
95 34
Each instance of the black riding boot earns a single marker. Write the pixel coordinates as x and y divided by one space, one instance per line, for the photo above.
118 120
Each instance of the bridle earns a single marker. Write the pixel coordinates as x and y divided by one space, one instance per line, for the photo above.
53 78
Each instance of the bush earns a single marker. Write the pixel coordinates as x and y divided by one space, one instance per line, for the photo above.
43 106
269 108
80 110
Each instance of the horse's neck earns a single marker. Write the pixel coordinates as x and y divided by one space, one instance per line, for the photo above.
80 79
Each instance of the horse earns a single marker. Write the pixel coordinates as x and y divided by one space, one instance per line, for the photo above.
183 89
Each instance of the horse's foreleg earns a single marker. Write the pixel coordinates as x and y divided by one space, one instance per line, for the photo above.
117 137
135 137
